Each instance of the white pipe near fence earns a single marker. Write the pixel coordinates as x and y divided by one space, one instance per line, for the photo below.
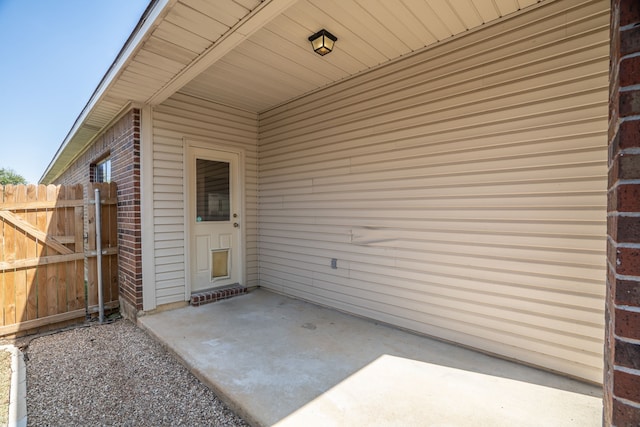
99 253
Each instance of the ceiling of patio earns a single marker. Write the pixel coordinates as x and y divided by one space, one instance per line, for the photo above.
255 54
276 63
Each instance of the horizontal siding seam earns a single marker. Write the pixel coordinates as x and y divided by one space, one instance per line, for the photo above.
344 121
480 77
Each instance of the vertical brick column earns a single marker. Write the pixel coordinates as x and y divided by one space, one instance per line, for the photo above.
622 335
125 169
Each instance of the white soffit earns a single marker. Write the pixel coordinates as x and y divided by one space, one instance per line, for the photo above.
277 64
254 54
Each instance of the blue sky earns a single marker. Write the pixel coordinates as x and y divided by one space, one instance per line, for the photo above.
53 54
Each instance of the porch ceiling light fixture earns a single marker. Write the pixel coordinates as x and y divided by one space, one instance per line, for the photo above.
322 42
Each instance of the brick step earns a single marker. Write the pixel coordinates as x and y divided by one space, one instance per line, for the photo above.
213 295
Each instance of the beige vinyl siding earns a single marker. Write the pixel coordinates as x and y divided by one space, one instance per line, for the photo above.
183 118
462 190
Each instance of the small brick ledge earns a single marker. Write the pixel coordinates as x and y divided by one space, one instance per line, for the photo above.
213 295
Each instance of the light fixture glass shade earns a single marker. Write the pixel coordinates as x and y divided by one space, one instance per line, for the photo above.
322 42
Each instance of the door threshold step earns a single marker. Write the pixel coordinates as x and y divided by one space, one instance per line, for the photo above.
213 295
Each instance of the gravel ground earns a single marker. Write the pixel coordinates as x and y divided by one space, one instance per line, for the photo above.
115 375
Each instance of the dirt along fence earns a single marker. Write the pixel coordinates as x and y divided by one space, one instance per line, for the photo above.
48 266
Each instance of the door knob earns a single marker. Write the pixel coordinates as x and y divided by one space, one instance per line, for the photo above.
236 225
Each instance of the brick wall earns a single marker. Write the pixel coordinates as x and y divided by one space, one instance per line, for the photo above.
121 143
622 348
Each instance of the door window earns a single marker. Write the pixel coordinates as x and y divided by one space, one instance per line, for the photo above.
212 191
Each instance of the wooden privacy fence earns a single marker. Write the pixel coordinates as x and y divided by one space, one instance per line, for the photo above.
48 268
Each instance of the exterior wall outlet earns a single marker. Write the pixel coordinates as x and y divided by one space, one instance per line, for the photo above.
334 263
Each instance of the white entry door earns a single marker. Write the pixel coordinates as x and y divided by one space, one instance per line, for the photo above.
214 218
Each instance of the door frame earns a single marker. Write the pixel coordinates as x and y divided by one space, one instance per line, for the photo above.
190 144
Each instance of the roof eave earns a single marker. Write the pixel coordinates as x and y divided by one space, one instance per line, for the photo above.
150 18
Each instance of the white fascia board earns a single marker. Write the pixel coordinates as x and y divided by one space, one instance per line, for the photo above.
149 20
254 21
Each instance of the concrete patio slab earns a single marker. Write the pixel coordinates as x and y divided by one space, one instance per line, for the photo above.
281 361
